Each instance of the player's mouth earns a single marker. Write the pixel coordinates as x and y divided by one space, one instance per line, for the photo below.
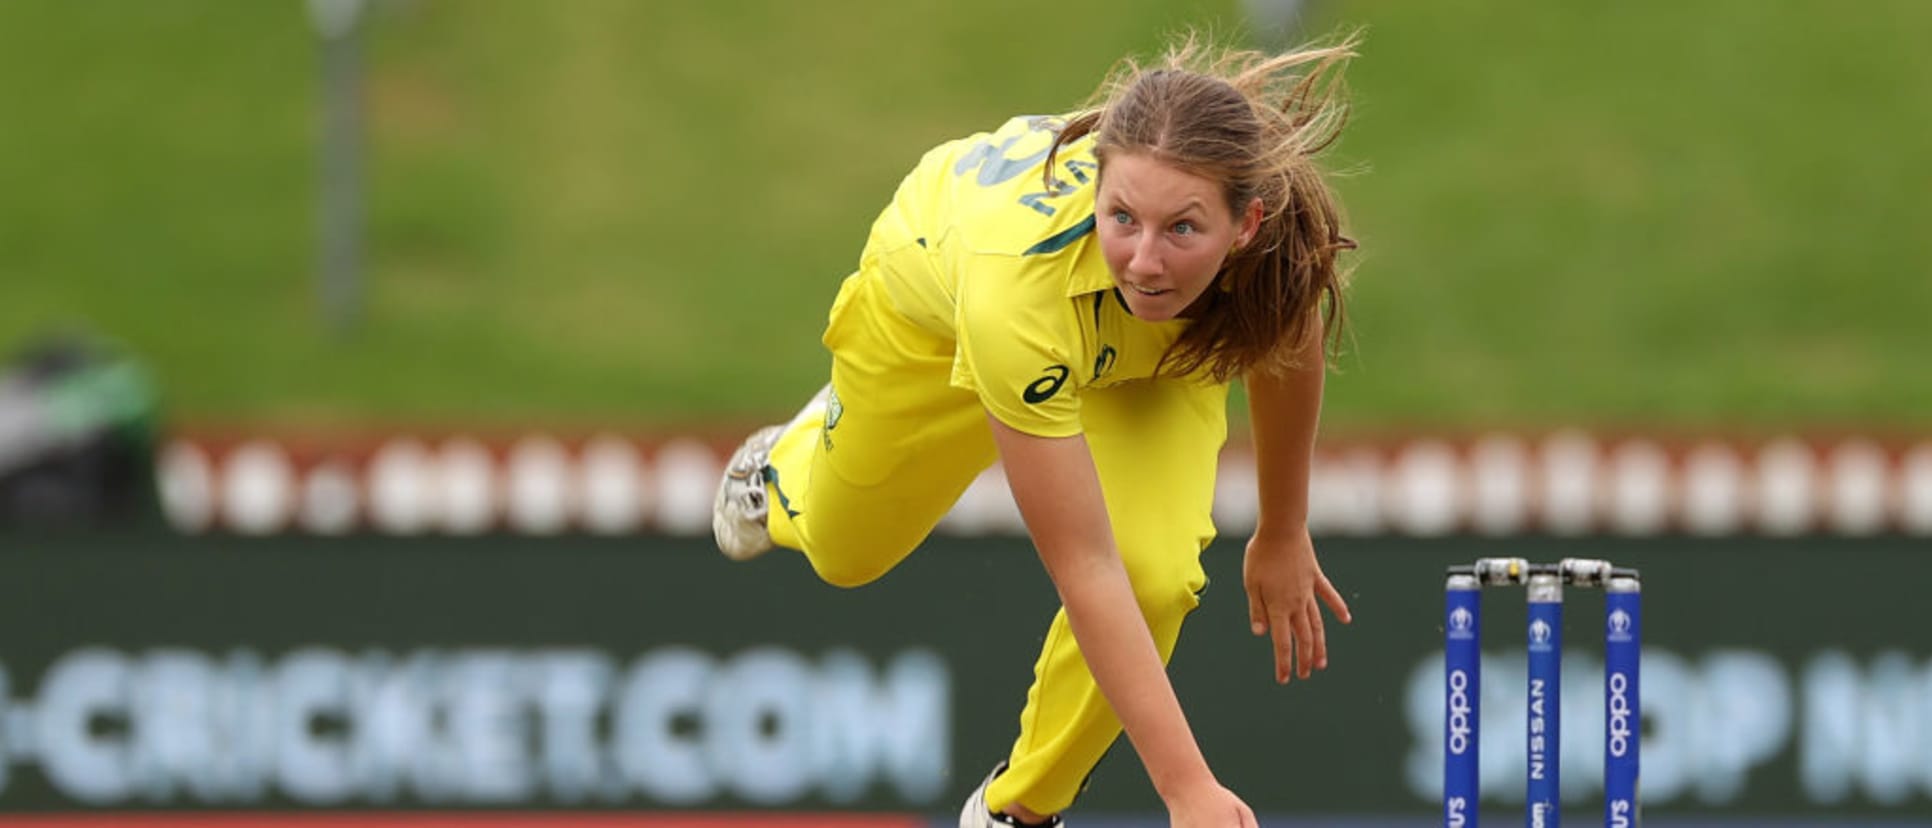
1144 291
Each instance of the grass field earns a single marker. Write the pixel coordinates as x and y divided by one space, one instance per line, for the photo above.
1681 215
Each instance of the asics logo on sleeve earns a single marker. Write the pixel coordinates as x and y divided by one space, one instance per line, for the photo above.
1043 389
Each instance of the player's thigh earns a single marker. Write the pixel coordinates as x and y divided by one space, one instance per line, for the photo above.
897 421
898 445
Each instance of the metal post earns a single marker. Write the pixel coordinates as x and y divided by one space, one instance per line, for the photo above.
1622 707
339 208
1545 698
1462 731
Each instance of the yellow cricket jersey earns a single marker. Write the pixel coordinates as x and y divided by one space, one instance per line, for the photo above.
977 248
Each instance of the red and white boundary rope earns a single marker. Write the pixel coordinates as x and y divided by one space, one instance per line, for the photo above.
1566 483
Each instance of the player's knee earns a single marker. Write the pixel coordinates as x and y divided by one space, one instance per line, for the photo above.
845 576
853 567
1167 586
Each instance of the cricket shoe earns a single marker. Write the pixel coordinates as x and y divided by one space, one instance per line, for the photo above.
738 514
976 815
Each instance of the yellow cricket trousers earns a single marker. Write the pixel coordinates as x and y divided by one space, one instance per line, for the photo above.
859 482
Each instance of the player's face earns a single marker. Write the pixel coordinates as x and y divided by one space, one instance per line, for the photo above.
1165 233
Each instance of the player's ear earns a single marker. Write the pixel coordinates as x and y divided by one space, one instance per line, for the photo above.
1250 223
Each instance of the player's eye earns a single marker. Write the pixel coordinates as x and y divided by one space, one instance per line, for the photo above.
1121 217
1184 228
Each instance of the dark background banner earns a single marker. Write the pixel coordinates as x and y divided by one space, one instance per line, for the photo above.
1788 676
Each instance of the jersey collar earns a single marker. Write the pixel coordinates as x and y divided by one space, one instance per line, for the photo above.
1087 270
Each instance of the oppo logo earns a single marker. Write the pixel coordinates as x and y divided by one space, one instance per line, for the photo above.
1459 711
1619 704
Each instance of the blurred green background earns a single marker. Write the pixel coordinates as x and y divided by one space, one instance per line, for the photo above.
1647 214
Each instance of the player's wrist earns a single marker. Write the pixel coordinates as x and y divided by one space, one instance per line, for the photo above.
1182 780
1280 530
1196 788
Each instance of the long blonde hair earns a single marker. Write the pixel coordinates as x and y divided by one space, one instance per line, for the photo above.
1255 123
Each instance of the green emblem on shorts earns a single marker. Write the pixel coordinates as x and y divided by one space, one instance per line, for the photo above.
833 411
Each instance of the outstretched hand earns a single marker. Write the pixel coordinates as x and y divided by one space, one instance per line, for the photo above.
1284 580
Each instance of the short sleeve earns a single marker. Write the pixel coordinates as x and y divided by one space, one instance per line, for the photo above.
1017 341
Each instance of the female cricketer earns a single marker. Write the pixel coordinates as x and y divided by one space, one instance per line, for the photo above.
1072 296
